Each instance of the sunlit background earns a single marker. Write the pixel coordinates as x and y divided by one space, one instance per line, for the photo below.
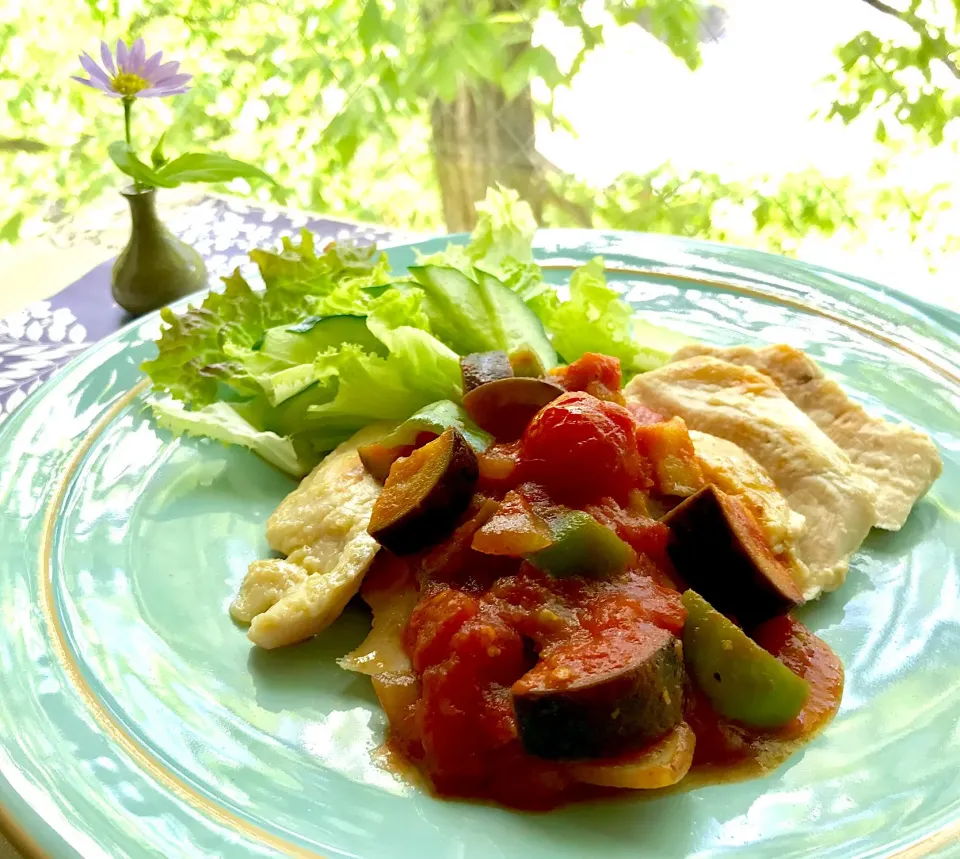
825 129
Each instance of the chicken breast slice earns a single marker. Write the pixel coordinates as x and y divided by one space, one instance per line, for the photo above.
322 528
903 462
816 478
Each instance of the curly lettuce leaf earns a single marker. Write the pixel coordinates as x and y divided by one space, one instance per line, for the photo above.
298 268
191 362
504 231
331 344
208 348
281 361
597 319
418 370
223 423
348 384
501 244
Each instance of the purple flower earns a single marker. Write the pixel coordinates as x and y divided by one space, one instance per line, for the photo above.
133 75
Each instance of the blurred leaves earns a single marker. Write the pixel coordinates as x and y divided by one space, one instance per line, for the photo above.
913 77
768 213
326 98
334 101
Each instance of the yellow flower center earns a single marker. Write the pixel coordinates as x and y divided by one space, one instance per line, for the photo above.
129 84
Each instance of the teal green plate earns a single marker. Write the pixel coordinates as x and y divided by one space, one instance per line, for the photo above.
137 720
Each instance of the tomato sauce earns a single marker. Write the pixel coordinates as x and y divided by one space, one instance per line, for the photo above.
483 621
724 745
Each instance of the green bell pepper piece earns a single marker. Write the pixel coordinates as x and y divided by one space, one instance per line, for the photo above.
436 418
742 680
581 547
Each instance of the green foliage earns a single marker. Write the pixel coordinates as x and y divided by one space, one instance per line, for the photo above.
762 212
327 99
189 167
157 157
912 78
200 350
334 101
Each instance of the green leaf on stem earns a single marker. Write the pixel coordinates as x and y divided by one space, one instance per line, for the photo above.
128 163
209 167
157 158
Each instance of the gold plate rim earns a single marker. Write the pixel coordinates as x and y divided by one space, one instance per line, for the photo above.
150 764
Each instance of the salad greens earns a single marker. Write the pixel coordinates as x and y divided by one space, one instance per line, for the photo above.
333 341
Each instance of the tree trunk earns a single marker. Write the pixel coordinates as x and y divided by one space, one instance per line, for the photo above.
480 139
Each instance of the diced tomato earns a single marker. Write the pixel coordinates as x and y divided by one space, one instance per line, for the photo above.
465 709
487 618
434 623
638 599
581 448
493 649
596 374
645 535
447 718
533 604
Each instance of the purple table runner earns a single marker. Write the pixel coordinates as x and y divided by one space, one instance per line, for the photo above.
37 340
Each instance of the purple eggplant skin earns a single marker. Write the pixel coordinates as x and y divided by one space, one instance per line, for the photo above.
607 714
720 552
479 368
505 407
425 494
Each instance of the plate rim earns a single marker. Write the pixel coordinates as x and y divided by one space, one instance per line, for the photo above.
943 318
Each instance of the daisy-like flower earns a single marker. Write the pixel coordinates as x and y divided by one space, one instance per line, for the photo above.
133 75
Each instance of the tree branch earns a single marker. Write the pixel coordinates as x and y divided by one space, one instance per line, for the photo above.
880 6
919 26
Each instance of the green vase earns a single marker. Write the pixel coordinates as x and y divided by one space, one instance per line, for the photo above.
155 268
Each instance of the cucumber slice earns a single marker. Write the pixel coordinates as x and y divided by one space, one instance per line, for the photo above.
515 324
480 315
455 309
302 342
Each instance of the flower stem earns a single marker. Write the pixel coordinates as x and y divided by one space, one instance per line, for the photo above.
127 105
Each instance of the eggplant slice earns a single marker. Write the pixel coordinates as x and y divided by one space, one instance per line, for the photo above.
602 698
721 552
424 495
506 406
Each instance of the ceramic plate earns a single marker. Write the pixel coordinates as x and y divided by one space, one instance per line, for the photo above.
137 720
